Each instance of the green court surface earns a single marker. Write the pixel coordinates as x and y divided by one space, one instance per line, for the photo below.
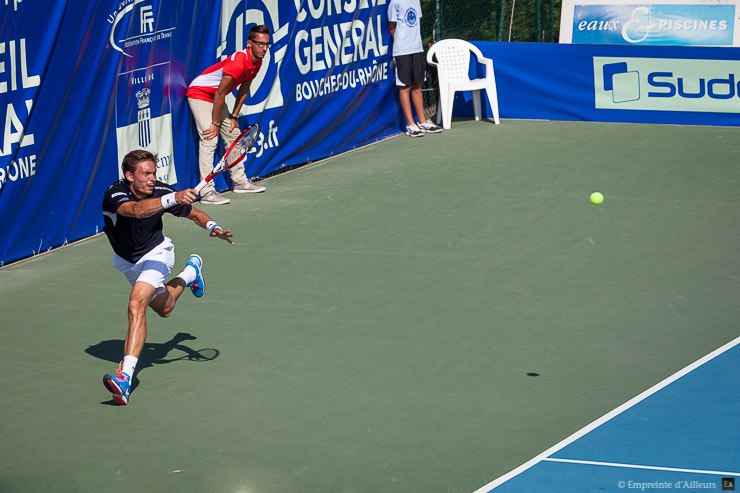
420 315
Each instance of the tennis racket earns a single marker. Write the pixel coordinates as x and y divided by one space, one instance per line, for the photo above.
234 155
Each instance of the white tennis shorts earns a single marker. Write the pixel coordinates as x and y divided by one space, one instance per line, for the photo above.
153 268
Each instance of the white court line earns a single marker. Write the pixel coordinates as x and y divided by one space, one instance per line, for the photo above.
608 416
637 466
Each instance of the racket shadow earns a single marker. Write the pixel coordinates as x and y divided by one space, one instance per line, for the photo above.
154 353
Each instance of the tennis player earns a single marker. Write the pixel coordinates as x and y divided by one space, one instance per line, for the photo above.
133 208
207 101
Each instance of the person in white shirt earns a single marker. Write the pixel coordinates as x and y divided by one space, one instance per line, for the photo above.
404 17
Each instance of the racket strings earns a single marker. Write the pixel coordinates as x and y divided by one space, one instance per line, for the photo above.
241 147
235 154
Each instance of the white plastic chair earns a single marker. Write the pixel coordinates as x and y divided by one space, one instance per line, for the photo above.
453 63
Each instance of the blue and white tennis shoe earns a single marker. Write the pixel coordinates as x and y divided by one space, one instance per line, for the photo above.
198 287
429 128
119 385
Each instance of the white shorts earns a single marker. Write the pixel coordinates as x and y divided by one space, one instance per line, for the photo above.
153 268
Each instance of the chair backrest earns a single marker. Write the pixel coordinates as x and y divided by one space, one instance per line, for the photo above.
453 58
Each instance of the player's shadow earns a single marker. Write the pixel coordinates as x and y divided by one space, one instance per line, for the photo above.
153 353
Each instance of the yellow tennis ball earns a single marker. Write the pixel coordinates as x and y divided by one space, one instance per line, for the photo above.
597 198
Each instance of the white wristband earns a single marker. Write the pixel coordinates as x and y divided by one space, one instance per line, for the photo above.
211 225
168 200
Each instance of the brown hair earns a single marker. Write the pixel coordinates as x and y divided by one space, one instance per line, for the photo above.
133 158
261 29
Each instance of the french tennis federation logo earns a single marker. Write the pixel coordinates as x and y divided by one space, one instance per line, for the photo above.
133 25
411 17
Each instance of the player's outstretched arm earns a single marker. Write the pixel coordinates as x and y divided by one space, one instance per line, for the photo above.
148 207
214 230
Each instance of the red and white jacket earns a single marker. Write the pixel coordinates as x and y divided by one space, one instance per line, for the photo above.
239 66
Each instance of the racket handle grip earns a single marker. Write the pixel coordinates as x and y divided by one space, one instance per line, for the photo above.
200 186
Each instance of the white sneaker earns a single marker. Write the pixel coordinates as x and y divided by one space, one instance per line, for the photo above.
414 131
214 198
429 128
248 187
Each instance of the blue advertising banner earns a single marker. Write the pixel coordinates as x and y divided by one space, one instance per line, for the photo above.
659 22
667 25
88 82
333 62
638 84
52 140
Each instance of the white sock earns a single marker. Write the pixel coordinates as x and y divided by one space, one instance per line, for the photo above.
129 364
188 274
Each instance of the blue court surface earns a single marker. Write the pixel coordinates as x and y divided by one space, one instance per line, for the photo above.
683 434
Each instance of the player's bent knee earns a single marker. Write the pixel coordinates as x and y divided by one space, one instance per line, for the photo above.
162 305
164 313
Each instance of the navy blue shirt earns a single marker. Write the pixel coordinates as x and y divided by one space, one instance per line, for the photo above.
132 238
